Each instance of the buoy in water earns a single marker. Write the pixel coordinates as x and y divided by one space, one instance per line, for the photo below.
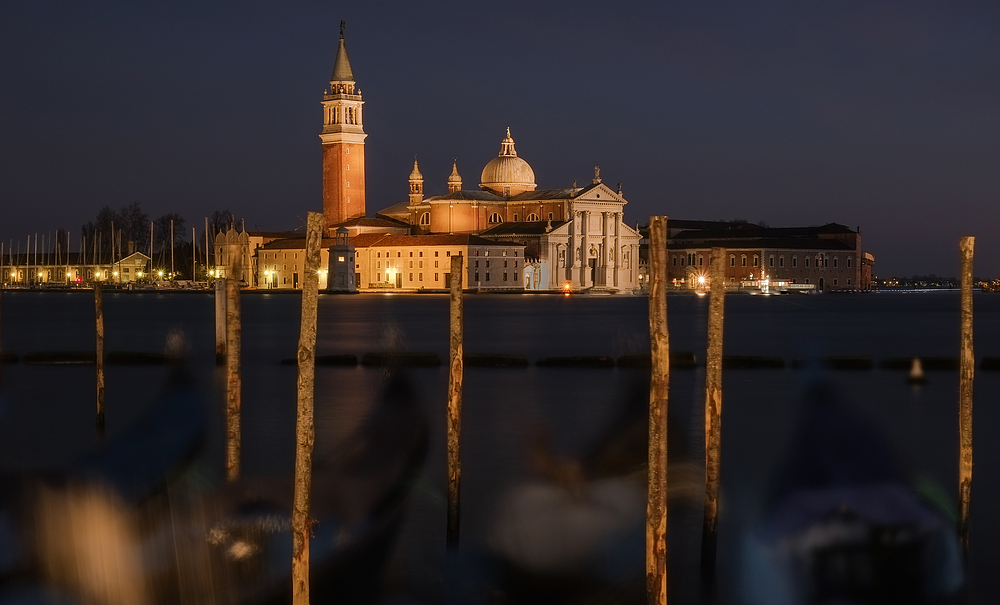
916 372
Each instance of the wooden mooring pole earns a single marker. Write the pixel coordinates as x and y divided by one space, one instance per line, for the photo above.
99 355
713 415
967 364
220 320
234 385
456 375
305 433
656 497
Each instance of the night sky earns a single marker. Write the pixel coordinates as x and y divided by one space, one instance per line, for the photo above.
879 115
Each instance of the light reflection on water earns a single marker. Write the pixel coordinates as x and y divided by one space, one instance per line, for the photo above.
46 412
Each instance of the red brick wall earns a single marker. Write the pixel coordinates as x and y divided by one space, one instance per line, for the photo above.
343 181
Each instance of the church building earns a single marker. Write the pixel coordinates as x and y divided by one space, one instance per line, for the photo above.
575 238
541 239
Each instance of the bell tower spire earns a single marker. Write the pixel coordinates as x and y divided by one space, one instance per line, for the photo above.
343 140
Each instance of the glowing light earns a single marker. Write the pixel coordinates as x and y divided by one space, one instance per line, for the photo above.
67 274
115 274
39 274
161 273
701 280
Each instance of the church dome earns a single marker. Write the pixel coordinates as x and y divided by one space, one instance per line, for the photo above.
508 174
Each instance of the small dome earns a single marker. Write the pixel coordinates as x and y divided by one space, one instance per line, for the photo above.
415 175
508 174
454 176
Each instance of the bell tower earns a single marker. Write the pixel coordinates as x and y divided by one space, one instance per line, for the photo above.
343 139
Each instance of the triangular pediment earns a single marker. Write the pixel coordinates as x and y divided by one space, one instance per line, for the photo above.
599 193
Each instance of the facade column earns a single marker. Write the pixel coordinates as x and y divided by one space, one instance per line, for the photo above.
607 246
617 253
571 252
584 252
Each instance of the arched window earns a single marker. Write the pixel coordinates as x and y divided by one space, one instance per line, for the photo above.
532 217
425 219
515 218
495 218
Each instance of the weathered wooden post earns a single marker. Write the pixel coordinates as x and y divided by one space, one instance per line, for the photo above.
305 433
656 496
967 364
220 320
234 386
456 375
99 355
713 414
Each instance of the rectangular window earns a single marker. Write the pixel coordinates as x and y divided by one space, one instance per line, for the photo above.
435 256
848 263
835 281
487 276
447 253
807 261
732 261
505 264
743 261
378 264
477 275
435 277
515 275
477 264
755 261
835 262
795 262
505 276
421 253
674 260
411 253
435 264
770 261
411 277
411 264
421 264
378 255
420 276
701 261
848 281
487 264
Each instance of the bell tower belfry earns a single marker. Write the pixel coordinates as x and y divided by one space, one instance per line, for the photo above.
343 139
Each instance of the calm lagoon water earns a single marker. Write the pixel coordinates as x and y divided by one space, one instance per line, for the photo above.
46 412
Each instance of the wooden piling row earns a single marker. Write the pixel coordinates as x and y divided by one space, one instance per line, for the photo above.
713 415
234 387
99 355
455 378
656 499
967 368
305 433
